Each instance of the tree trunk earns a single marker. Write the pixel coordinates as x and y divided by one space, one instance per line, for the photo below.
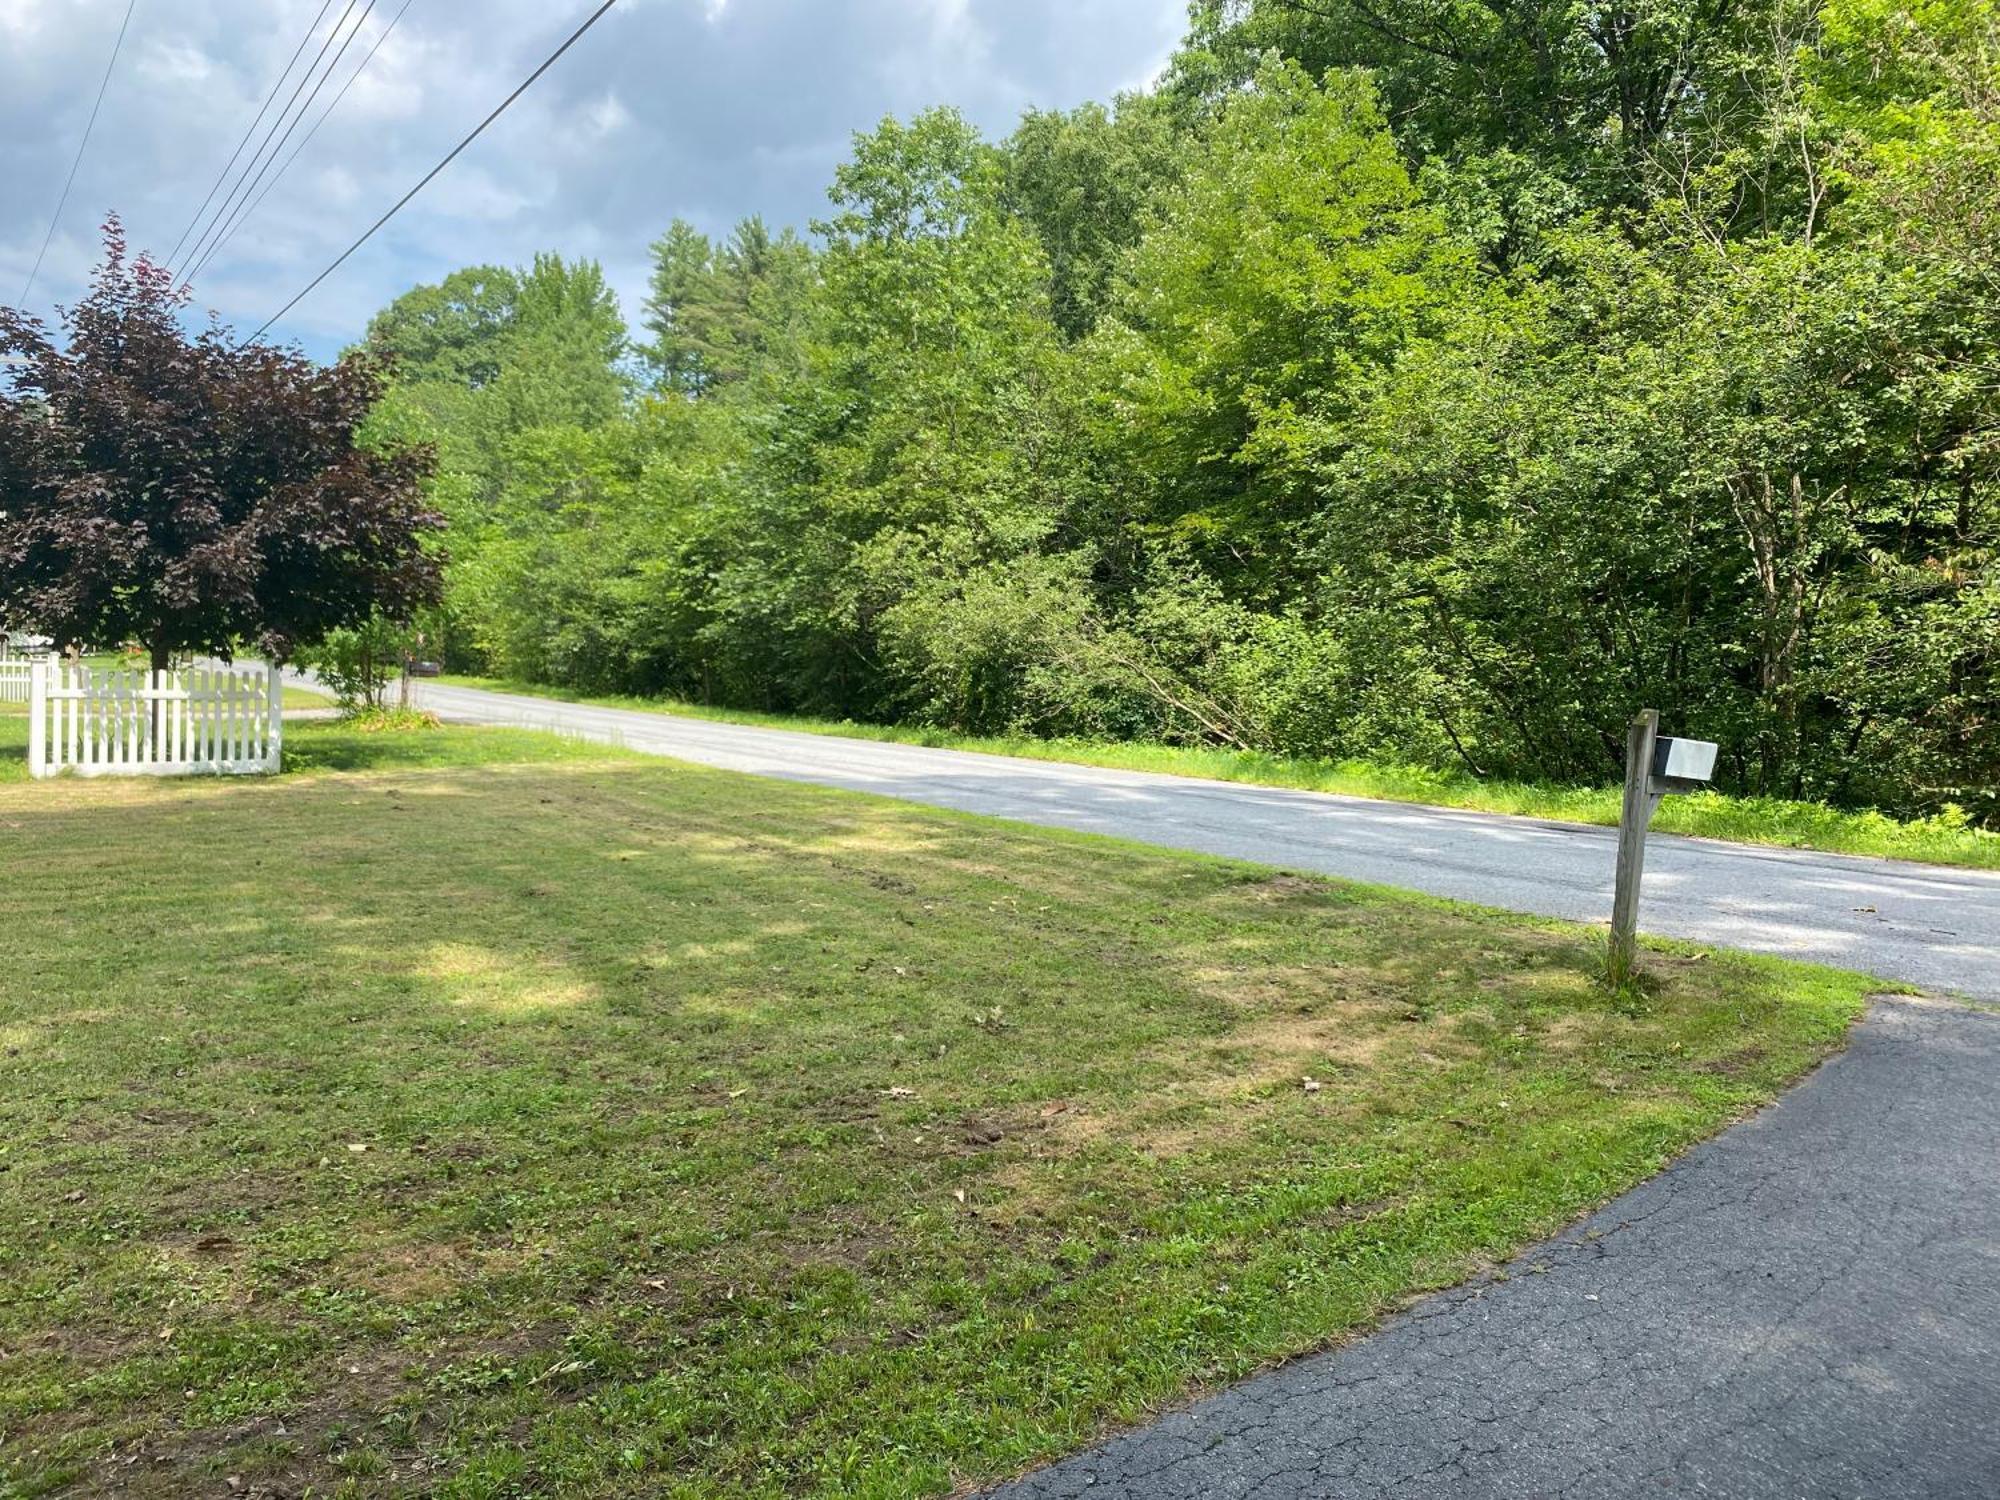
162 656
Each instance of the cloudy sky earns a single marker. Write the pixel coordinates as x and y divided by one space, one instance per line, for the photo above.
707 109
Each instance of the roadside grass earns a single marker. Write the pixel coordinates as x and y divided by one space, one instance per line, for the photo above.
477 1113
1943 840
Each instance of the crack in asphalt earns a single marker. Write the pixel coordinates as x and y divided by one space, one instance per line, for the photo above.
1805 1308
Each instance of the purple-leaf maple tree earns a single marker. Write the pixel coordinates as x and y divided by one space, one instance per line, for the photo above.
191 495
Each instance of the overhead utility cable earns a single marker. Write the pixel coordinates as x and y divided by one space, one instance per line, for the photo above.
478 130
220 177
76 161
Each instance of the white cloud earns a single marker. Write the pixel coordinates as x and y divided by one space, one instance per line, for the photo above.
608 116
708 109
20 17
174 64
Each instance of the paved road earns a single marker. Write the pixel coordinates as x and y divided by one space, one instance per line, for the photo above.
1931 926
1806 1308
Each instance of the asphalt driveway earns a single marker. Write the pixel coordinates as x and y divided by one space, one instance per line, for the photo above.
1806 1308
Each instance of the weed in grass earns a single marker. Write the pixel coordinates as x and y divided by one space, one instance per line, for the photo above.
390 721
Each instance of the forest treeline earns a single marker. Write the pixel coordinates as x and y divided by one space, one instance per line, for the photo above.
1434 381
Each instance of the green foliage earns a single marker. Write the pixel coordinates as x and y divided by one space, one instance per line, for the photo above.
1083 181
717 311
1430 385
393 721
487 354
449 332
358 664
1292 264
1537 93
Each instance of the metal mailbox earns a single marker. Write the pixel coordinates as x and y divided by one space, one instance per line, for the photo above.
1682 765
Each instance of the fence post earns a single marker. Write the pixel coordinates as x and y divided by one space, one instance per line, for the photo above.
274 757
38 715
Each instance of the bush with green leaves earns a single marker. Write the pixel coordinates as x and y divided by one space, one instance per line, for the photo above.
357 666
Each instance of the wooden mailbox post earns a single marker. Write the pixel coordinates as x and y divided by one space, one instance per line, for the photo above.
1655 766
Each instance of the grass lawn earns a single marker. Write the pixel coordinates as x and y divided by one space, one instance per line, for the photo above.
477 1113
298 697
1747 820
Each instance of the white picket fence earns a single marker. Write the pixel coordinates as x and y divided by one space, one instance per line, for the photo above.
202 721
15 675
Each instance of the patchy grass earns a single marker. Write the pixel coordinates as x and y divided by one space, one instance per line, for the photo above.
480 1114
348 744
1946 839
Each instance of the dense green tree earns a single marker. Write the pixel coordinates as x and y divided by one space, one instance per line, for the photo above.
452 331
488 353
925 435
1083 180
1685 479
195 494
1291 264
1587 92
1430 382
716 311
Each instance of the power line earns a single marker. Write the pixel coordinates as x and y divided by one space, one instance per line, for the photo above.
69 182
248 200
479 130
255 155
276 84
229 202
352 79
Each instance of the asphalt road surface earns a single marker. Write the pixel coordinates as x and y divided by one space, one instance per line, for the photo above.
1805 1308
1924 924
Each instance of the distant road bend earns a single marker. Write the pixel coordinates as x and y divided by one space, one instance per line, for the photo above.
1924 924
